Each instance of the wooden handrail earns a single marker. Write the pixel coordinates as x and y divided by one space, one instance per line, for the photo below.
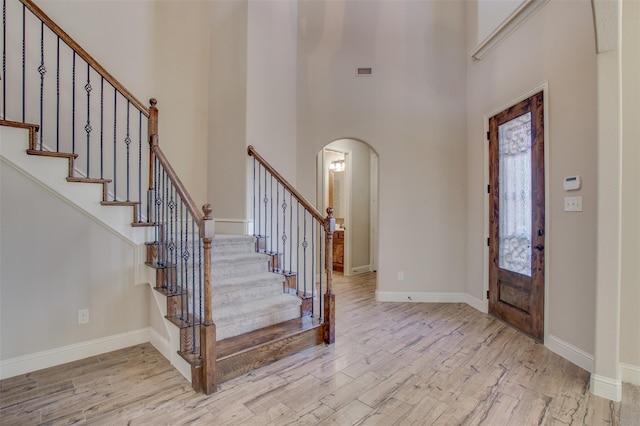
176 182
84 55
306 204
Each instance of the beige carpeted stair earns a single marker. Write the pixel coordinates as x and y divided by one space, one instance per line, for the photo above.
246 296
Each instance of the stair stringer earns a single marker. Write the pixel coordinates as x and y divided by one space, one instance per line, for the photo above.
168 347
51 174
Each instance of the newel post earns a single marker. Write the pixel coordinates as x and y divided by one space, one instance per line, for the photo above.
329 297
153 142
207 327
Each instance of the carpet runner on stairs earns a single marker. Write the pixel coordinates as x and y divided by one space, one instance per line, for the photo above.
246 296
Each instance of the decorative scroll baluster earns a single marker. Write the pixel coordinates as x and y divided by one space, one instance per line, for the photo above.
127 142
115 143
42 70
73 104
87 127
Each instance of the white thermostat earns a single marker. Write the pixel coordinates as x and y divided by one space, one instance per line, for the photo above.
571 183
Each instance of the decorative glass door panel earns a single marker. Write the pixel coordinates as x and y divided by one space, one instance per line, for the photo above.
515 195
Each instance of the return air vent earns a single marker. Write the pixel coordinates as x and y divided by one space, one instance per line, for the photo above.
364 72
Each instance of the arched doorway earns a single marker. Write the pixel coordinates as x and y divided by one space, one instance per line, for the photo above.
347 180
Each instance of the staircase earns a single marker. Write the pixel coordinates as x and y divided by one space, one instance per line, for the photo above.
246 295
235 303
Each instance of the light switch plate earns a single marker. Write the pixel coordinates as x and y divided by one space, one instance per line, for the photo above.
572 204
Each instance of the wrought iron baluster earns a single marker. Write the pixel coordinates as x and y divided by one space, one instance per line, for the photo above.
322 239
102 128
170 244
58 94
265 201
304 251
127 142
115 143
290 232
4 58
298 246
255 218
73 103
284 231
178 252
157 202
271 216
42 70
276 235
313 262
140 168
196 318
24 63
87 127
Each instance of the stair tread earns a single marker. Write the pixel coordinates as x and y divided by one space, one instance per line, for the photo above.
52 153
220 284
119 203
87 180
238 259
221 239
256 338
256 307
19 124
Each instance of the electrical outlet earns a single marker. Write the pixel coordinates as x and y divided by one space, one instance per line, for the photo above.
400 276
83 316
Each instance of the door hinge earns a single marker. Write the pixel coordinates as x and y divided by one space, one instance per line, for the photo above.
487 294
488 189
488 136
488 240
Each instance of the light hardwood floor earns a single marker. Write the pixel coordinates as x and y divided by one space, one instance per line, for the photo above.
392 364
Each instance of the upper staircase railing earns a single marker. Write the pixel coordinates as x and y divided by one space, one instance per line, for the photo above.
83 113
49 80
297 237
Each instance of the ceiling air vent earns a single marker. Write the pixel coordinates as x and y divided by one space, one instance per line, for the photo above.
364 72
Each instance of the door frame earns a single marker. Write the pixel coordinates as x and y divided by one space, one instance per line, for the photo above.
544 88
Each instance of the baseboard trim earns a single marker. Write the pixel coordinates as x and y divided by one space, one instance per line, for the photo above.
160 343
420 297
569 352
480 305
49 358
361 269
606 387
630 373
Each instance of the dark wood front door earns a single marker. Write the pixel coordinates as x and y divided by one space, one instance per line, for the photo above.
516 217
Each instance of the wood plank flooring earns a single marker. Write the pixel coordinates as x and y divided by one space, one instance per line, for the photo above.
392 364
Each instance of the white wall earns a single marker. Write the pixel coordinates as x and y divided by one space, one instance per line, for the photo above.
412 114
630 274
227 155
253 100
556 46
492 13
181 85
54 261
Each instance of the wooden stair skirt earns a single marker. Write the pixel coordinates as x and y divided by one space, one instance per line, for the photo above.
239 355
